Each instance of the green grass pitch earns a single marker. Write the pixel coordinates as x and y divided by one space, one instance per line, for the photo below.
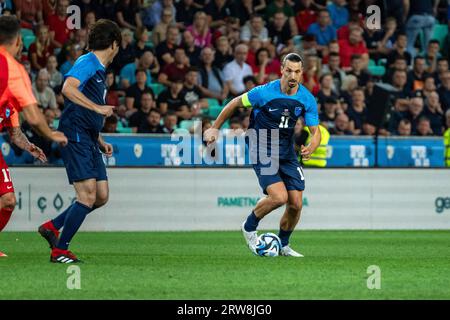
217 265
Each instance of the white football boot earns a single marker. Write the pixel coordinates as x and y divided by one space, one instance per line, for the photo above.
251 238
288 252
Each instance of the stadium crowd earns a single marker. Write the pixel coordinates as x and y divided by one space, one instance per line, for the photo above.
183 60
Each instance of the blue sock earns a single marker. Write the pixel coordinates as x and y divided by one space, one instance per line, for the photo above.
284 237
74 219
252 222
58 222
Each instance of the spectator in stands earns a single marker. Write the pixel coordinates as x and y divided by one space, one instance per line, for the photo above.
110 125
218 11
200 30
326 89
40 50
128 15
176 70
350 83
416 76
329 109
336 72
414 112
444 91
55 77
400 98
399 64
165 51
432 55
192 92
29 12
224 52
212 83
89 20
170 122
75 51
341 125
246 8
280 34
423 127
404 128
420 19
255 28
249 82
48 8
59 31
353 45
441 69
356 69
172 99
152 125
135 91
433 111
185 12
152 14
138 118
112 95
253 47
286 8
266 67
311 74
42 91
339 13
399 51
127 51
159 32
235 71
192 51
323 30
428 85
380 42
141 43
305 16
357 112
128 73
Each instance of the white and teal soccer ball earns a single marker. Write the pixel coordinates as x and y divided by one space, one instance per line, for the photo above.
268 245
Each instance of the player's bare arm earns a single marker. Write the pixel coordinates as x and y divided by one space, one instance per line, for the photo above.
212 133
35 118
71 91
20 140
105 147
306 151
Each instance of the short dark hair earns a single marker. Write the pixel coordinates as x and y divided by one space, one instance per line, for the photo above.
103 34
155 111
9 29
140 70
293 57
249 78
434 41
355 56
334 54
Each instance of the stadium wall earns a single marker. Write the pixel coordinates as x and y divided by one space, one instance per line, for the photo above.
176 199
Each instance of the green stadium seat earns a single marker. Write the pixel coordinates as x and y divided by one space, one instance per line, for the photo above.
440 31
26 32
297 40
372 63
186 124
377 70
27 41
213 102
214 111
157 88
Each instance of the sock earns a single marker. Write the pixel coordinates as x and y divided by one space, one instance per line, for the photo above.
74 218
252 222
284 237
58 222
5 215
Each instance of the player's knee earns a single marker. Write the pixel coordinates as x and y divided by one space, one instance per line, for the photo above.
294 208
280 199
102 199
87 199
9 201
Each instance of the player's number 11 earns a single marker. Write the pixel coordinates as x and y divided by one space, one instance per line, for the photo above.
284 122
6 177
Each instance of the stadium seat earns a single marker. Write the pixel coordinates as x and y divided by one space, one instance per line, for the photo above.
26 32
297 40
377 70
213 102
372 63
27 41
157 88
214 111
440 31
186 124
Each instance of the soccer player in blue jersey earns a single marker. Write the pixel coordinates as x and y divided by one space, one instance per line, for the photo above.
276 106
81 121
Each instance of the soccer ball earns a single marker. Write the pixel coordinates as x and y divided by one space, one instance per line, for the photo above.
268 245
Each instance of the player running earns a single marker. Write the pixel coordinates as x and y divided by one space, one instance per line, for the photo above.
85 108
15 96
277 105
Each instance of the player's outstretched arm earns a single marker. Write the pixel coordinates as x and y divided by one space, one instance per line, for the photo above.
306 151
70 91
212 133
20 140
35 118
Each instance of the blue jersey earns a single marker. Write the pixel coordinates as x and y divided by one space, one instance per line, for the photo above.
273 109
79 123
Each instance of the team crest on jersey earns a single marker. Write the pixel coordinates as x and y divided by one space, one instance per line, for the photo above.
298 111
7 113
